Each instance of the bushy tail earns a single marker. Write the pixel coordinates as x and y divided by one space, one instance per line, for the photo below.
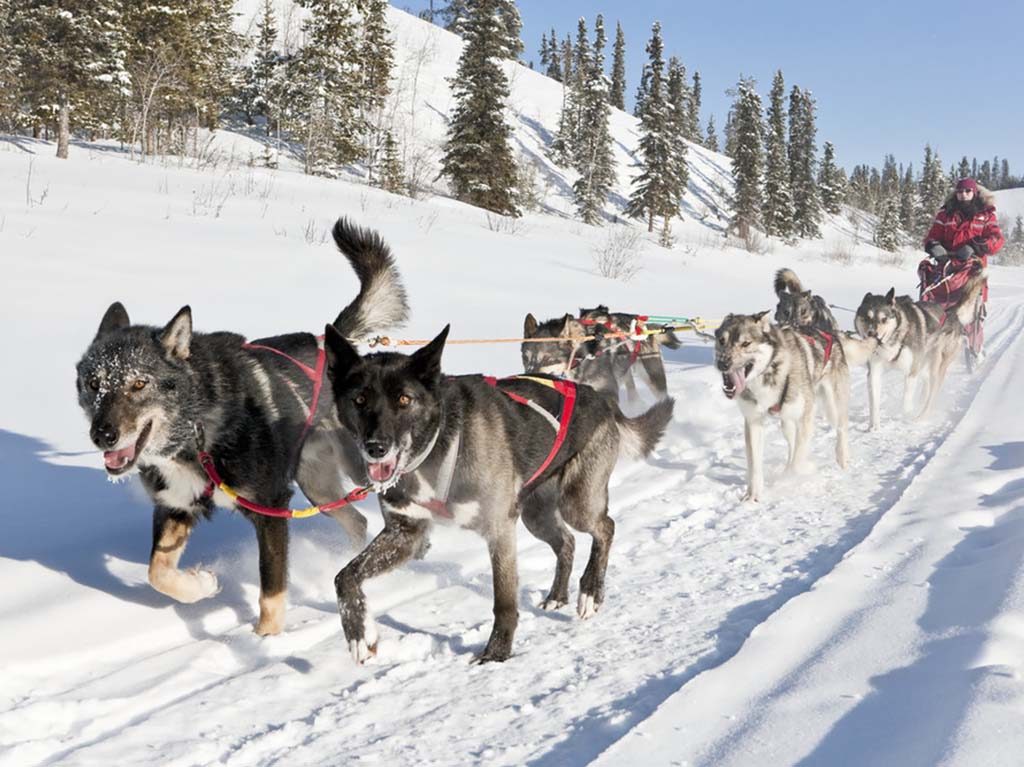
639 436
786 281
964 308
381 303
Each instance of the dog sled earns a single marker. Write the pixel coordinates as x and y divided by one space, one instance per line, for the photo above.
942 282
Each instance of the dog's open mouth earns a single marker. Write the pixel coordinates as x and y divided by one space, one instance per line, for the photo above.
120 461
382 471
735 381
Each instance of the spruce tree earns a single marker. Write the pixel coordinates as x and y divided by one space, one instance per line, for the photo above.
802 177
594 159
965 169
729 133
617 95
932 188
641 92
887 233
565 146
909 215
1004 175
777 213
554 61
544 61
875 196
260 98
985 174
512 26
711 138
890 177
478 159
693 128
831 181
657 189
680 101
748 157
72 52
376 60
9 78
392 175
326 117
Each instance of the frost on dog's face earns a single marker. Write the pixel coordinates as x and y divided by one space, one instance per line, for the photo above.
876 316
129 382
741 342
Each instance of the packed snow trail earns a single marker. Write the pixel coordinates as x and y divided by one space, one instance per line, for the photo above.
911 651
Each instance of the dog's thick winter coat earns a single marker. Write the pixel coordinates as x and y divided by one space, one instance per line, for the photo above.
147 390
461 450
778 370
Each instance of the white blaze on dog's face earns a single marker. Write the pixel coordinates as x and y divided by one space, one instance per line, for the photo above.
877 316
742 350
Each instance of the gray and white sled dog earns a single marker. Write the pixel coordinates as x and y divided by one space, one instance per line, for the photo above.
773 370
149 391
478 453
917 338
803 309
604 361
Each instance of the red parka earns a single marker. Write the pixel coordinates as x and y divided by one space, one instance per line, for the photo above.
953 229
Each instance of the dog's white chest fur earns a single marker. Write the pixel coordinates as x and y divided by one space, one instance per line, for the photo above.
426 505
185 484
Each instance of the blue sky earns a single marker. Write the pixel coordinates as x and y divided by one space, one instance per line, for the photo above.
888 77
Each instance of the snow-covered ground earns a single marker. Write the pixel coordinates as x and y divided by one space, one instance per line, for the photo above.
872 616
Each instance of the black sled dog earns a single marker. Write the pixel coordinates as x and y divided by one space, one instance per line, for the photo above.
480 452
150 392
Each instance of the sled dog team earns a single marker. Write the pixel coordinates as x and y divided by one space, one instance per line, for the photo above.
210 419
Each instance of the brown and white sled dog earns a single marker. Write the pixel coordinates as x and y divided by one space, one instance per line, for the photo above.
917 338
773 370
471 451
149 391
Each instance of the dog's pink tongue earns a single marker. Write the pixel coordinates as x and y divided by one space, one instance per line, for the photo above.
382 471
117 459
739 381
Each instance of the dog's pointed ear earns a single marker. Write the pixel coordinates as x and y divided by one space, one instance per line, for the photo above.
806 294
867 297
341 355
566 324
176 337
529 326
891 296
426 362
115 318
764 319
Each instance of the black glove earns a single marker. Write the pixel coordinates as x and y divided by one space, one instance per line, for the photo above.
964 252
979 245
936 251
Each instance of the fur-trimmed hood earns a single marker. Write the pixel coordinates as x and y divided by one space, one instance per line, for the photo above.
983 200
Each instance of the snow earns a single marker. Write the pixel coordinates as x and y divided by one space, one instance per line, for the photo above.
872 616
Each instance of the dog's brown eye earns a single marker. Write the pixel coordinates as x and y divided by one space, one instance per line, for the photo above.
139 384
404 401
360 400
745 344
94 384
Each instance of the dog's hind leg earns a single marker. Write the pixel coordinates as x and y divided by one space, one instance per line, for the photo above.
171 530
394 545
540 515
319 477
584 505
272 540
505 575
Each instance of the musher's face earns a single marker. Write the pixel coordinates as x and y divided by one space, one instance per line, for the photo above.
965 195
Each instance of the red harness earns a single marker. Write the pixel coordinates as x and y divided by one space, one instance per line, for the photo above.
829 341
316 375
634 353
568 391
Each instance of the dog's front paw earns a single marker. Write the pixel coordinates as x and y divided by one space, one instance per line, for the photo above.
362 641
196 583
552 603
587 605
751 496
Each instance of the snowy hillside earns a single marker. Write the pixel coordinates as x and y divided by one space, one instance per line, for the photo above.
867 616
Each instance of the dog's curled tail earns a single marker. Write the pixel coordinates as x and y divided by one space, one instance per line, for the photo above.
970 292
639 436
786 281
381 302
